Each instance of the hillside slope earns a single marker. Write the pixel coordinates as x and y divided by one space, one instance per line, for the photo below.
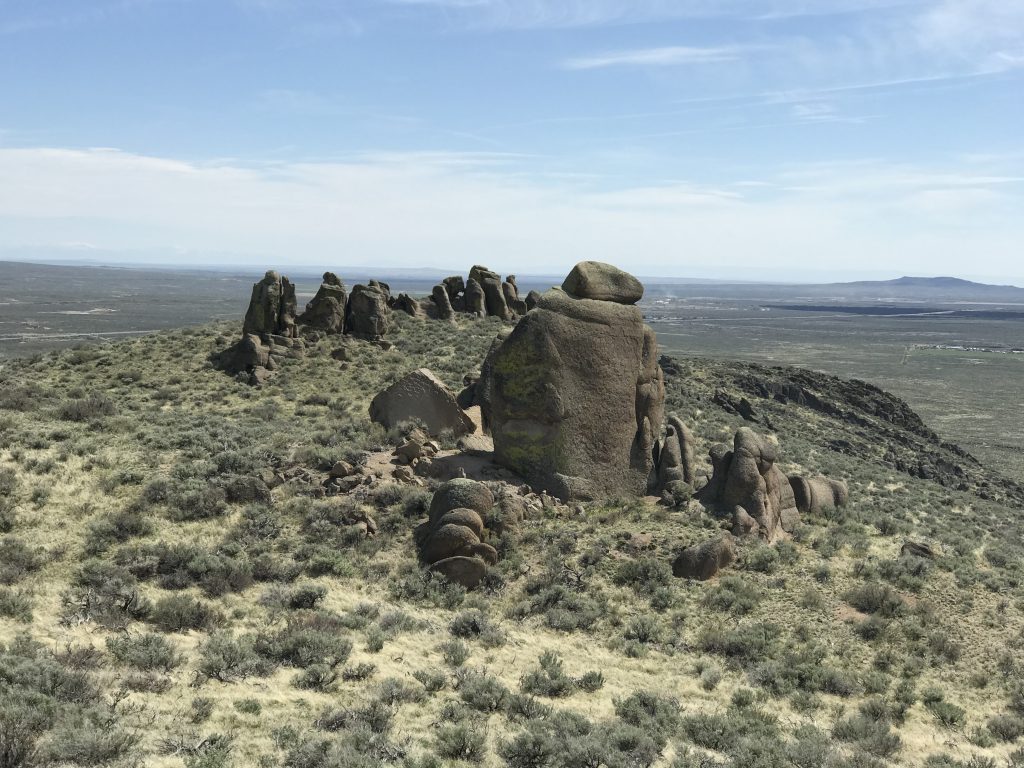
151 616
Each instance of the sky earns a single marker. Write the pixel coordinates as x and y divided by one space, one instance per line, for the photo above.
733 139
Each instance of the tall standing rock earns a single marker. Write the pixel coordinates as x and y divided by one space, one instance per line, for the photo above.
494 299
474 298
443 303
368 316
574 397
747 482
480 274
326 312
454 286
271 307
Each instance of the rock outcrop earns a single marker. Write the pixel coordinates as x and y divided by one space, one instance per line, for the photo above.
453 540
474 298
443 303
494 299
326 312
368 316
603 282
675 455
271 307
818 495
745 480
421 397
574 398
704 561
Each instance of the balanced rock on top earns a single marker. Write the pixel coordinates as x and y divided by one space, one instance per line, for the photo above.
603 282
574 397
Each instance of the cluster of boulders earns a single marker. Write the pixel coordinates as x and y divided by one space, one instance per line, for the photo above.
452 542
269 332
761 499
573 397
272 326
482 294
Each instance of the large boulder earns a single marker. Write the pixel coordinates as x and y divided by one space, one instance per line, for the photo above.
474 298
326 312
420 396
443 303
574 398
480 274
454 286
406 303
460 493
818 495
494 299
704 561
595 280
368 316
747 479
271 307
675 455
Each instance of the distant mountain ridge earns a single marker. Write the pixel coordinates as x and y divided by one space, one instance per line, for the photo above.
932 282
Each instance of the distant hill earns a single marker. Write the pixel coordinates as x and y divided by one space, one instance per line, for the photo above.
939 283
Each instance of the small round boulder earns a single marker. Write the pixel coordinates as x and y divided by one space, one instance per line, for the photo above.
449 541
461 493
465 571
466 517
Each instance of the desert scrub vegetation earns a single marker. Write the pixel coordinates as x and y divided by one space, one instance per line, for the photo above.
159 606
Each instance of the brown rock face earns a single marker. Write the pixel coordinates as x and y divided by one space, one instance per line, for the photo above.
595 280
574 398
420 396
326 312
494 299
818 495
368 315
474 298
451 541
271 307
443 303
703 561
746 478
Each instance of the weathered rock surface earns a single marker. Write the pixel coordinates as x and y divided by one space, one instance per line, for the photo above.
531 300
460 493
494 299
574 398
253 359
451 542
746 478
704 561
271 307
368 316
675 454
474 298
420 396
443 303
480 274
603 282
406 303
818 495
326 312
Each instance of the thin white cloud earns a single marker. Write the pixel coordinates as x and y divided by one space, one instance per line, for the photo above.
440 208
671 56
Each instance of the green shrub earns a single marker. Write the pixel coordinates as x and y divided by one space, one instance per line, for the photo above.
177 613
532 748
16 605
549 678
145 652
227 659
461 742
876 599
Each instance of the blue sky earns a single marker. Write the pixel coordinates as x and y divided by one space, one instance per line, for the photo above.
778 139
